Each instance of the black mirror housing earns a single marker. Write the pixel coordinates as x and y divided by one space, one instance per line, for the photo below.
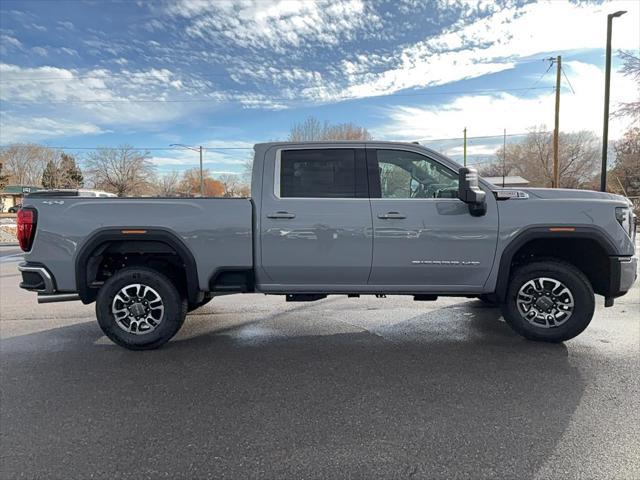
470 192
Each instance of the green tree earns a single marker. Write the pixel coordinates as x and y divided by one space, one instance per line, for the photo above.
50 175
70 173
62 172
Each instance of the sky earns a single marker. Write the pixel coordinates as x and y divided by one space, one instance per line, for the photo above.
226 74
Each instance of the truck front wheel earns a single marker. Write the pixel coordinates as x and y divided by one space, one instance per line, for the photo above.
140 309
549 301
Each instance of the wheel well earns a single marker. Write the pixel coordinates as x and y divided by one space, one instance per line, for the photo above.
586 254
105 256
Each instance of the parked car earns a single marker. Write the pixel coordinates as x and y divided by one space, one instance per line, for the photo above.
15 208
343 218
71 192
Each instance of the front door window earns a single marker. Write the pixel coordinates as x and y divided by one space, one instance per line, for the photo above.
411 175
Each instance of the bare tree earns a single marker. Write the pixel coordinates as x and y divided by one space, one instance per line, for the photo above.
532 158
190 184
312 129
230 184
25 163
4 179
124 170
631 69
168 185
625 176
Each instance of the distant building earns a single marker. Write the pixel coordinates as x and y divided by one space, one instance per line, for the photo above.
12 195
509 181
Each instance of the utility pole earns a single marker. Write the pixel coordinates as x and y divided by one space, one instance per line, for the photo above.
504 155
465 146
556 130
201 175
199 149
607 85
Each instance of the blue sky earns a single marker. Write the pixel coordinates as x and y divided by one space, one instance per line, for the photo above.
229 73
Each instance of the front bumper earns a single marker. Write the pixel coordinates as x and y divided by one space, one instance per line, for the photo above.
628 272
624 272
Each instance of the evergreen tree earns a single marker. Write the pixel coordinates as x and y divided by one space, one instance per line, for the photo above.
50 175
71 175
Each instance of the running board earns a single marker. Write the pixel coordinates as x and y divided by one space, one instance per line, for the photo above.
57 297
304 297
425 297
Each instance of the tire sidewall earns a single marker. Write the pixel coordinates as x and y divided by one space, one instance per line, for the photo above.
573 279
174 309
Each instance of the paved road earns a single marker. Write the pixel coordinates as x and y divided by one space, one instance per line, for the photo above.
254 387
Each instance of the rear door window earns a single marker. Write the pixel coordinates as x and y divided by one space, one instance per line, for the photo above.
323 173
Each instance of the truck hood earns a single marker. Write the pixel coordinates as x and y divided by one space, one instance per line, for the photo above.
565 193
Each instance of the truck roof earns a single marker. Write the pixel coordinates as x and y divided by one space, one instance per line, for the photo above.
339 142
263 147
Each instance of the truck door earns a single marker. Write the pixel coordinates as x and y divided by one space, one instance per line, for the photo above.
424 237
316 219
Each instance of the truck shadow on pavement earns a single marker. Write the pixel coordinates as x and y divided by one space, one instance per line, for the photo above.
427 398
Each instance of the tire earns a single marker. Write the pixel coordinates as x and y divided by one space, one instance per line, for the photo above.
194 306
162 309
576 298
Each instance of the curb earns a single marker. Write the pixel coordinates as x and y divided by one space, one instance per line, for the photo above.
9 244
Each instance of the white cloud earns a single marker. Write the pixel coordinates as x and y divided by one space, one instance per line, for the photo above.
7 42
488 45
275 24
489 114
95 97
16 129
67 25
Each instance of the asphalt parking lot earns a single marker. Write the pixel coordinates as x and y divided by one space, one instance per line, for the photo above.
254 387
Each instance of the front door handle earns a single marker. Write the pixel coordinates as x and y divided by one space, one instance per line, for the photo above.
281 215
391 215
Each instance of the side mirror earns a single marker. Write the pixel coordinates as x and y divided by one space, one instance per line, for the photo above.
470 193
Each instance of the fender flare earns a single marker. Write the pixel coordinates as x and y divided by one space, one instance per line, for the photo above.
109 235
544 232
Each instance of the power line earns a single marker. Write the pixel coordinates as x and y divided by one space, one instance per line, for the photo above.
269 99
567 79
213 148
542 76
64 147
128 76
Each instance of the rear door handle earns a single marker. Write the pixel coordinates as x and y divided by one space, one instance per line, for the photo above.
281 215
391 215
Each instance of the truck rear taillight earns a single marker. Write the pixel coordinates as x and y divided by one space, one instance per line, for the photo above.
26 228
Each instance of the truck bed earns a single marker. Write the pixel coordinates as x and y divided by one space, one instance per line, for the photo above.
217 231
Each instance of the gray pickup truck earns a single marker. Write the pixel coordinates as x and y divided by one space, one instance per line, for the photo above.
343 218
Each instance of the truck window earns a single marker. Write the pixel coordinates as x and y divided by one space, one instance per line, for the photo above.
411 175
322 173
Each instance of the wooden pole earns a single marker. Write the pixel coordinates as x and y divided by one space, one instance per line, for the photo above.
504 155
465 146
556 130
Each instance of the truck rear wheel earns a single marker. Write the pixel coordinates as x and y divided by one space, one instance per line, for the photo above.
549 301
140 309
